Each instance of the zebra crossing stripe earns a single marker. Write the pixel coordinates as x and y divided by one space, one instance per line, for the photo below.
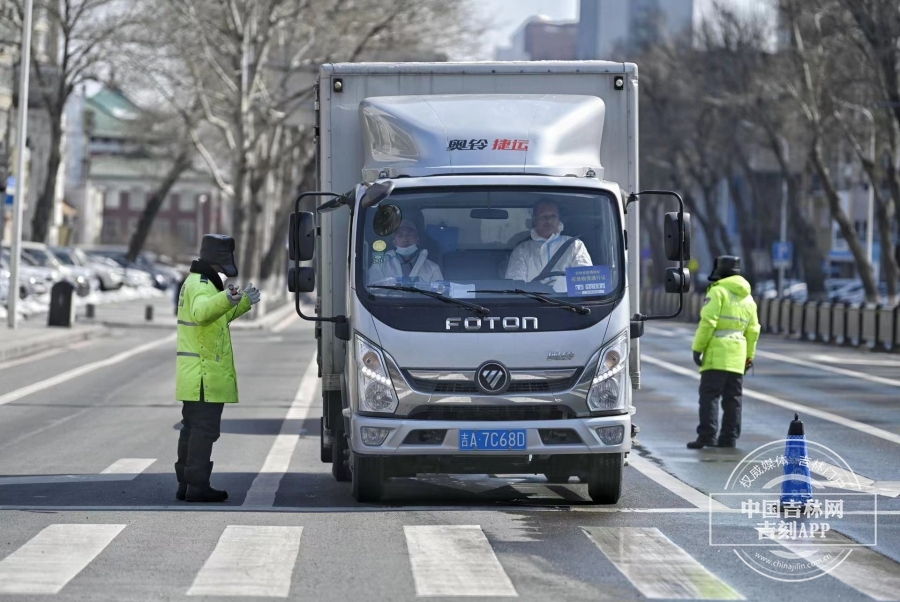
53 557
455 560
250 561
656 566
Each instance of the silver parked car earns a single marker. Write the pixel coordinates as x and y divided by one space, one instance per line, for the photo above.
80 277
33 279
104 276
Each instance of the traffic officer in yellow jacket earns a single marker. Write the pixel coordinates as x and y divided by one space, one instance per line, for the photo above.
724 347
205 375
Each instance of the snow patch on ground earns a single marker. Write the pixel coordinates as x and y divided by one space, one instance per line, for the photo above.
39 304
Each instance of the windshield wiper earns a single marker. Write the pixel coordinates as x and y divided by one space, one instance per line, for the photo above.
478 309
543 298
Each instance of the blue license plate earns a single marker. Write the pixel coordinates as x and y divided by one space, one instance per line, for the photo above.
492 440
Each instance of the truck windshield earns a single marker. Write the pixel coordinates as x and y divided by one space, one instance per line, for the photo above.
483 243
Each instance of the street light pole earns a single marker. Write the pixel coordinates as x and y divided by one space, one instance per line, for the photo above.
19 201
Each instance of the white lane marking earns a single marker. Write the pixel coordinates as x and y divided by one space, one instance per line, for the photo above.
864 569
789 405
891 382
656 566
129 466
859 361
126 469
30 358
455 560
54 557
679 488
265 485
839 478
250 561
81 371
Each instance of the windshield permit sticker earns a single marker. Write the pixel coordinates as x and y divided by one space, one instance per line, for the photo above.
377 258
585 281
379 245
472 144
510 145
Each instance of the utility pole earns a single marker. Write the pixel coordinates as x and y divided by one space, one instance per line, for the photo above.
22 135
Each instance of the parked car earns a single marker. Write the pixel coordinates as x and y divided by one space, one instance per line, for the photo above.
105 277
34 279
162 276
80 277
132 275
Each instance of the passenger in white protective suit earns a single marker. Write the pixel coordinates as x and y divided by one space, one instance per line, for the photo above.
530 257
406 260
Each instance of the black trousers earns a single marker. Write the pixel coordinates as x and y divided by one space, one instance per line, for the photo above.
201 427
729 386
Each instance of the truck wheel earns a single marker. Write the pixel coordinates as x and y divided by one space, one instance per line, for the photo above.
339 469
605 478
368 478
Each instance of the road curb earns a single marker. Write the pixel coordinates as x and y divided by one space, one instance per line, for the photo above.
51 340
267 321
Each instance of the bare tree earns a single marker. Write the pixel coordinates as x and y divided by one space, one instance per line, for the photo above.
817 42
87 32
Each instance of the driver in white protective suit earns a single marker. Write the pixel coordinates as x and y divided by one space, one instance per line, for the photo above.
406 260
531 256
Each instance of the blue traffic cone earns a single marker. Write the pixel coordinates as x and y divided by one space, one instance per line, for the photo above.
798 488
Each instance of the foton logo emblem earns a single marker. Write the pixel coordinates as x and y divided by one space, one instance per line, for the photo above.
477 324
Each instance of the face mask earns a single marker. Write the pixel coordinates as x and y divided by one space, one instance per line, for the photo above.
222 277
407 251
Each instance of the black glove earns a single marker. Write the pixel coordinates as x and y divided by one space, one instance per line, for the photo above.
748 365
698 358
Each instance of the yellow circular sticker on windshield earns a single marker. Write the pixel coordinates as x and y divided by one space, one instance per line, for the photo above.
379 245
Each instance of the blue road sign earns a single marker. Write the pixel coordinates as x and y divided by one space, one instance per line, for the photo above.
783 254
10 189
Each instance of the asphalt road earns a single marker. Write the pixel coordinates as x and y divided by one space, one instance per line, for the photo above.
87 508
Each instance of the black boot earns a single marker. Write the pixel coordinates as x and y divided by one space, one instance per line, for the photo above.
202 492
701 442
179 468
727 443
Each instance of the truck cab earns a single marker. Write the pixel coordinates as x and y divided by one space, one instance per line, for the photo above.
477 286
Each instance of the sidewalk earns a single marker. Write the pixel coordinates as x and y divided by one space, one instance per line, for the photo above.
33 336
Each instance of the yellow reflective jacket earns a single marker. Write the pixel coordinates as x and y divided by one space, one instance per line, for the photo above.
729 327
204 342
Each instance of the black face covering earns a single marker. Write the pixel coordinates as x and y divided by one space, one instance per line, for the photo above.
218 249
206 269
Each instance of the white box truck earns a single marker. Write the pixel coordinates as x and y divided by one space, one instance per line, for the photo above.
476 268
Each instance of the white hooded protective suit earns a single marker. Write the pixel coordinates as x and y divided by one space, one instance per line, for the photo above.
528 259
388 272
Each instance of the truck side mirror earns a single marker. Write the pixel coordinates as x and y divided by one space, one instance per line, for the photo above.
301 280
678 280
674 251
302 236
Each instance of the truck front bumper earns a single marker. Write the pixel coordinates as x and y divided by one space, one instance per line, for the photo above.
400 428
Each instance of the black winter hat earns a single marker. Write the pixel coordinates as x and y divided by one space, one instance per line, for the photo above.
218 249
725 266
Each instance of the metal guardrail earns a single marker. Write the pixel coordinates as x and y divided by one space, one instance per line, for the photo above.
873 327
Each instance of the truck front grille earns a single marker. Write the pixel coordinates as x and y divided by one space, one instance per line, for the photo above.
467 386
492 413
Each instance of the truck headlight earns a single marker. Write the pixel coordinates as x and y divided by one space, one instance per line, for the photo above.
376 391
608 387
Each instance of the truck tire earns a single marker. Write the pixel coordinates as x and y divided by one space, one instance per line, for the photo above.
605 478
368 478
339 469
